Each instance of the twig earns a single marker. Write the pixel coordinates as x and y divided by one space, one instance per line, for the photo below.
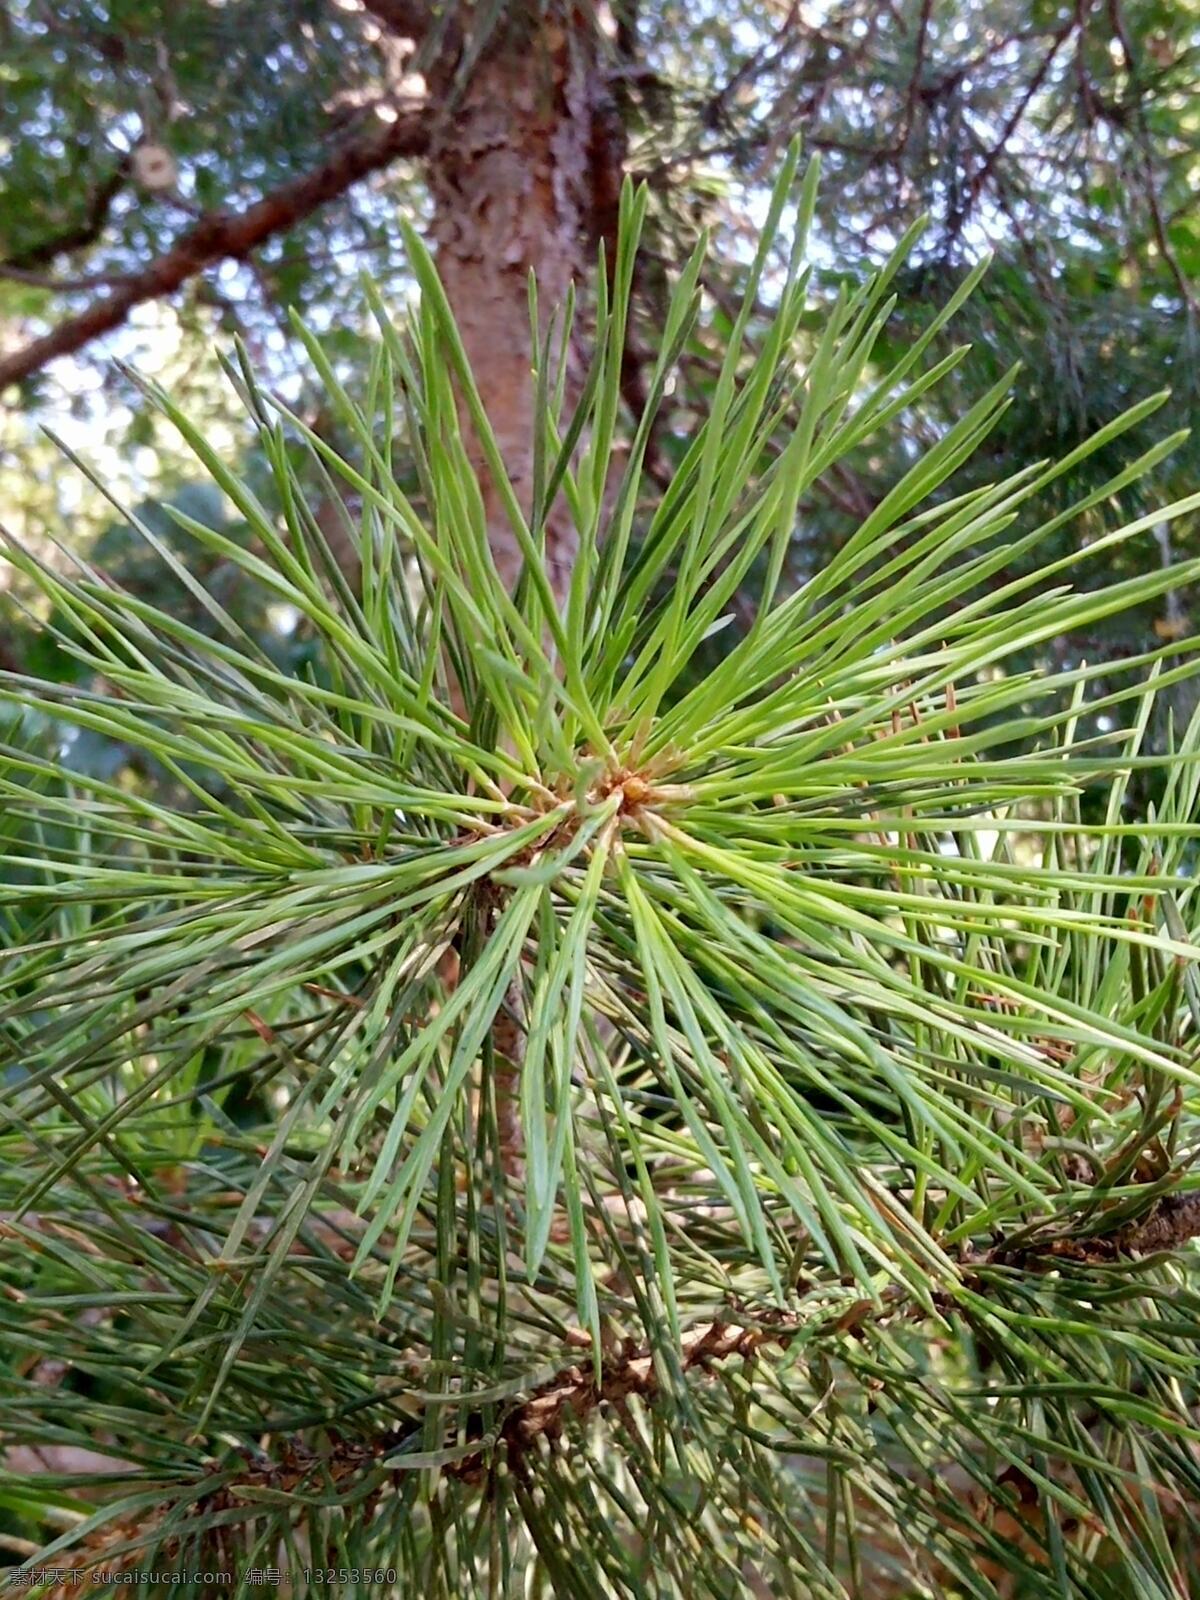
575 1391
42 280
1142 135
914 83
981 174
81 234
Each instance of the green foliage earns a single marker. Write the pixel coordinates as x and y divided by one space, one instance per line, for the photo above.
855 1071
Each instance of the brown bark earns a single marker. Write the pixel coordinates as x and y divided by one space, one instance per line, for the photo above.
524 174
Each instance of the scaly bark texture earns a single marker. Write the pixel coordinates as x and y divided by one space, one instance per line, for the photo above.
525 173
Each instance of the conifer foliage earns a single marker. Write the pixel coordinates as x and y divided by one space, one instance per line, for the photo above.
508 1112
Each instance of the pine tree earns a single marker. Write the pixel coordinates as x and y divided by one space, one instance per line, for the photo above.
845 1248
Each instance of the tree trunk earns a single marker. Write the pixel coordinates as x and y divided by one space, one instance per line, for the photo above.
525 174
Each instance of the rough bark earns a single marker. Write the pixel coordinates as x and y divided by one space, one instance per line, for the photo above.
524 174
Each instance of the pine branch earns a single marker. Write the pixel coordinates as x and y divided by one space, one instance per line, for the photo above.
771 882
575 1391
79 235
223 236
1169 1224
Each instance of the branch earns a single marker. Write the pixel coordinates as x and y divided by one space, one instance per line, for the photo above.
983 172
768 56
221 236
1172 1223
574 1391
1162 238
42 280
918 71
124 1541
83 233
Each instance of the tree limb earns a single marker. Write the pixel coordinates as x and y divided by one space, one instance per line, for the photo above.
983 172
81 234
41 280
221 236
